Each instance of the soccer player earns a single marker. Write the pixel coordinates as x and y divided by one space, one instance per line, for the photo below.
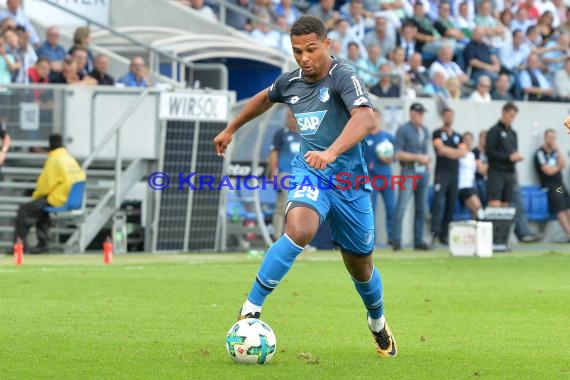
449 148
334 115
549 162
380 166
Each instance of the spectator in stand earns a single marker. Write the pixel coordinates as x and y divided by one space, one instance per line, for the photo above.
371 65
15 12
7 23
136 75
445 26
493 30
417 73
502 86
506 18
268 37
479 57
560 12
407 40
325 11
411 150
482 167
437 87
51 49
562 81
203 10
263 7
463 20
545 27
82 39
80 56
70 75
100 72
383 35
356 16
344 34
466 183
521 21
449 148
353 56
427 36
5 140
7 64
533 39
549 162
445 64
531 10
25 54
39 73
556 55
395 9
287 10
453 87
398 61
385 88
565 25
381 166
548 6
513 56
534 83
237 20
482 91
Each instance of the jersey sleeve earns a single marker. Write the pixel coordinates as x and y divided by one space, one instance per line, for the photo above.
436 135
351 90
540 158
275 94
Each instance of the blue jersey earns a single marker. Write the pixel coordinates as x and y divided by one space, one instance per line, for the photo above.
375 166
322 110
286 143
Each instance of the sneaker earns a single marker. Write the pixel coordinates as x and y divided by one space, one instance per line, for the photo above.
422 247
532 238
385 342
255 315
396 247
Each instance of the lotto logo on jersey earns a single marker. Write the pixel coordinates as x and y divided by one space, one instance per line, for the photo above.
309 122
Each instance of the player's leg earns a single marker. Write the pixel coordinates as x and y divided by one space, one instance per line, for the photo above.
352 229
306 209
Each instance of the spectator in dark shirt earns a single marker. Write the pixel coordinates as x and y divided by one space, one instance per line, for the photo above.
82 39
502 85
237 20
479 58
385 88
51 49
70 75
81 57
417 73
99 73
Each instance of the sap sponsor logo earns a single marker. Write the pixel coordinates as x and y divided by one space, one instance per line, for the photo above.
324 95
294 99
309 122
360 101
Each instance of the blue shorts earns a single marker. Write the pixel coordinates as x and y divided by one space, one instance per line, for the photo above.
351 222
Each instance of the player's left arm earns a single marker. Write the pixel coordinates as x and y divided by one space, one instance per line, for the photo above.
360 124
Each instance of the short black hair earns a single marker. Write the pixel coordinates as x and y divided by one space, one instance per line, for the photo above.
510 106
468 134
309 24
549 130
55 141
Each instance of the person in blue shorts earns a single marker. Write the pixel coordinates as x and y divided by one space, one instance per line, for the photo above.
334 115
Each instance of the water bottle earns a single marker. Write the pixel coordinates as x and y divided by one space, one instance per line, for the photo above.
119 233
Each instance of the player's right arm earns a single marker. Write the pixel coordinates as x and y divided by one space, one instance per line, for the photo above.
255 107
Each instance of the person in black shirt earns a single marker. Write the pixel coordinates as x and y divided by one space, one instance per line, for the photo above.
99 73
5 140
502 153
482 167
449 148
549 162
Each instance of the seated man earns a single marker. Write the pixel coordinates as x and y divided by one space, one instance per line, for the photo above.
549 161
534 83
59 173
136 76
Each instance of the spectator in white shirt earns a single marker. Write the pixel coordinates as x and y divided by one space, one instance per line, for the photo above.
562 81
204 10
263 34
521 21
17 14
513 56
445 64
482 91
25 55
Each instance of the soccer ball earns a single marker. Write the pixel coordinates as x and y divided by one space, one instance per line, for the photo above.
251 341
385 149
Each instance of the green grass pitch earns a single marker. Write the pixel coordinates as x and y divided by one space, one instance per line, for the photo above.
166 316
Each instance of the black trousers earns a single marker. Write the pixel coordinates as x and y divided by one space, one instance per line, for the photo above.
444 200
33 213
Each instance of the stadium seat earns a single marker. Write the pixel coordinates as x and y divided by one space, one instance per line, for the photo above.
538 210
461 212
74 200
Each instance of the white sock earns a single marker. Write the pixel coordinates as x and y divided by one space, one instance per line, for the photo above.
248 307
376 324
481 214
